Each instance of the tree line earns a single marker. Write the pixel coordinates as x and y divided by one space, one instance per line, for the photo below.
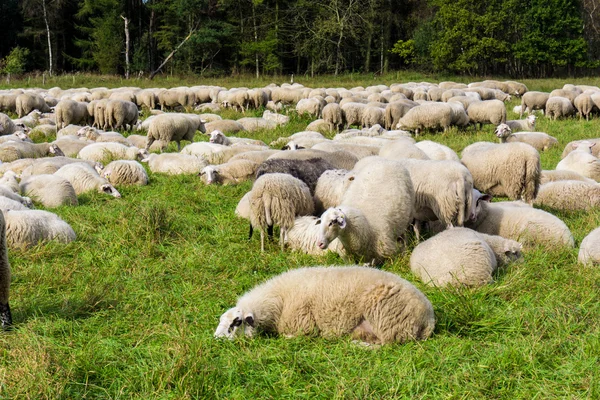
526 38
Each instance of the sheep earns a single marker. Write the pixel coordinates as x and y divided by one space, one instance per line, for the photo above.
539 140
50 190
374 213
11 151
352 113
258 97
230 173
175 163
119 113
225 125
426 116
310 106
332 115
71 145
27 228
253 124
236 98
524 224
220 138
69 130
5 314
504 169
589 250
101 151
339 159
401 149
9 180
370 305
304 235
457 257
27 102
330 189
396 110
533 100
16 137
176 97
70 112
487 112
97 136
279 119
559 107
258 156
360 151
50 165
372 116
125 172
308 171
527 124
436 151
459 115
7 126
569 195
575 145
563 175
582 161
516 88
584 105
569 94
277 199
298 135
86 179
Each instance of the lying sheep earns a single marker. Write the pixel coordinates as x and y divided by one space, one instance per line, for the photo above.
569 195
97 136
109 150
9 181
71 145
582 161
559 107
527 124
220 138
531 101
426 116
539 140
5 314
225 125
258 156
304 237
458 257
279 119
308 171
7 126
436 151
125 172
524 224
50 190
333 301
11 151
26 228
564 175
487 112
339 159
277 199
50 165
254 124
330 189
86 179
230 173
175 163
402 149
574 145
174 127
505 169
589 250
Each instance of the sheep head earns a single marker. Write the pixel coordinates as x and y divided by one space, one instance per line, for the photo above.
54 149
232 320
209 174
503 131
477 200
110 189
332 222
531 120
584 145
217 136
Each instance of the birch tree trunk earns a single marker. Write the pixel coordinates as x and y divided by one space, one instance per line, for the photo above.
50 69
126 47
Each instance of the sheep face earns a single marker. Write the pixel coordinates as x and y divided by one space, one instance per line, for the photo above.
512 250
54 149
217 137
110 189
478 197
209 175
531 120
503 130
332 222
232 320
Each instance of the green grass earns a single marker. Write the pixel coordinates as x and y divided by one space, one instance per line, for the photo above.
128 310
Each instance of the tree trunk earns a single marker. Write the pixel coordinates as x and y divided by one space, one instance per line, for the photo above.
255 40
126 47
50 70
172 54
338 50
369 42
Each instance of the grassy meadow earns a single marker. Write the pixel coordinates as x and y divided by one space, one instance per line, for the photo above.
128 310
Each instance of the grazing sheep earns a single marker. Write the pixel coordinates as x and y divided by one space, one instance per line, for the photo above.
372 116
395 111
569 195
332 115
109 150
230 173
458 257
582 161
277 199
174 127
504 169
86 179
524 224
125 172
589 250
487 112
531 101
352 112
539 140
374 213
436 151
176 97
426 116
527 124
50 190
70 112
308 171
559 107
310 106
564 175
584 105
26 228
27 102
371 305
11 151
175 163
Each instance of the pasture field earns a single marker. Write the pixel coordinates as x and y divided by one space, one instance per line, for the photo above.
128 310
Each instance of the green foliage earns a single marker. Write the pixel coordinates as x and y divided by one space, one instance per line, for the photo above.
405 50
15 62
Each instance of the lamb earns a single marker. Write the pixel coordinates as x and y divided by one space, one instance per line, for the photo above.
175 163
569 195
458 257
332 115
125 172
582 161
505 169
539 140
230 173
304 236
524 224
27 102
308 171
426 116
436 151
559 107
277 199
589 250
5 314
370 219
70 112
50 190
11 151
564 175
527 124
487 112
109 150
531 101
584 105
85 179
371 305
27 228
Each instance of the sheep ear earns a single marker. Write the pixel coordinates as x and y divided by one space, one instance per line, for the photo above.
486 197
342 222
249 319
351 178
592 145
318 221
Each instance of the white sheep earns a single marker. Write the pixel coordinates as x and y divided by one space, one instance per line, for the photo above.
371 305
50 190
487 112
527 124
253 124
457 257
174 127
589 250
277 199
225 125
95 135
582 161
332 115
27 102
304 237
279 119
109 150
541 141
175 163
86 179
559 107
258 156
569 195
5 314
219 137
533 100
584 105
119 114
574 145
330 189
11 151
26 228
426 116
563 175
230 173
504 169
401 149
437 151
125 172
70 112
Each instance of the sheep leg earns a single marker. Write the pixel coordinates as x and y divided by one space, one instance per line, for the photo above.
270 231
262 240
282 238
5 316
417 230
250 232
